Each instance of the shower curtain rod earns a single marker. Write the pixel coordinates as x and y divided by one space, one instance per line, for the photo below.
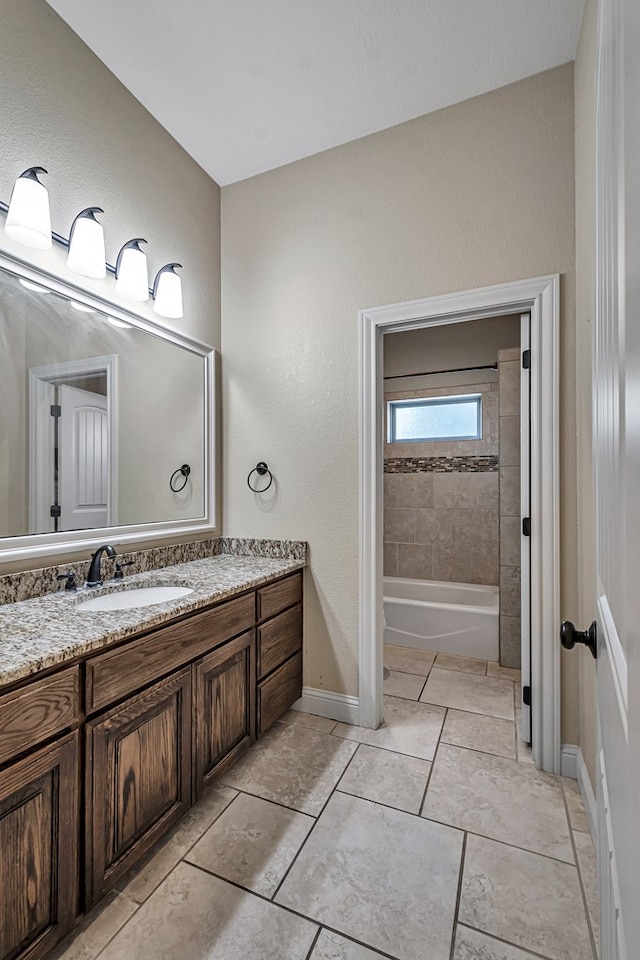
430 373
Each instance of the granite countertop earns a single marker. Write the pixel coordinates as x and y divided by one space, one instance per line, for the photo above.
48 631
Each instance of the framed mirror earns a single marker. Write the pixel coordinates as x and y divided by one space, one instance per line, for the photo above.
106 421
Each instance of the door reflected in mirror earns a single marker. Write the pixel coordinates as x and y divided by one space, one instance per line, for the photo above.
96 414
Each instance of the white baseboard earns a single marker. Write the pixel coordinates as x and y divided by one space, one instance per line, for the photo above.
588 798
324 703
569 760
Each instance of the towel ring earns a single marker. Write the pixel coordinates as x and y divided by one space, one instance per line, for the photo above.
182 471
261 469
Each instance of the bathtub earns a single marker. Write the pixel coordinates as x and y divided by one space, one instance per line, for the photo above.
460 618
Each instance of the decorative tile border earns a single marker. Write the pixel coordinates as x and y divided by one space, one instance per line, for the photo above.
29 584
441 464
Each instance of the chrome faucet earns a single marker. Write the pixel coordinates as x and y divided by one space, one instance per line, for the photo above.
93 576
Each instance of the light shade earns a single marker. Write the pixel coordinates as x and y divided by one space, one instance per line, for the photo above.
132 275
167 292
28 219
86 245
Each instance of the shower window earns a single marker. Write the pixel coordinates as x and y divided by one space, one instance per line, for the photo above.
435 418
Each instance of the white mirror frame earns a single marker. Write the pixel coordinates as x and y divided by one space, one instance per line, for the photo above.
47 544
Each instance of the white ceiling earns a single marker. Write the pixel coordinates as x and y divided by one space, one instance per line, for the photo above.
249 85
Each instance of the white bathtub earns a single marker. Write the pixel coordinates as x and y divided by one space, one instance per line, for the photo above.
460 618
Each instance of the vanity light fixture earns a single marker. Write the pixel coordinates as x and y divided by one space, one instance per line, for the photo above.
28 217
86 245
167 292
132 275
28 221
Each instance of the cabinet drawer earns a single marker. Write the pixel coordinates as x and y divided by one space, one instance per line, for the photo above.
111 676
38 711
276 694
278 639
277 596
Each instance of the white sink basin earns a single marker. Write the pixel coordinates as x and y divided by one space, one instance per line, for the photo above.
138 597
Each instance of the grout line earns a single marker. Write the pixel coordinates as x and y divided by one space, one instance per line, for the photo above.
337 786
387 806
505 843
483 753
313 945
379 746
409 673
304 842
456 910
433 762
277 803
295 913
509 943
148 859
476 713
359 943
74 935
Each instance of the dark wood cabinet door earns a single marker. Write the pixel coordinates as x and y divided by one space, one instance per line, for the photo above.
38 850
138 778
224 716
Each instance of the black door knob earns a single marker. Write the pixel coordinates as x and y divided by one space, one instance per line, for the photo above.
569 636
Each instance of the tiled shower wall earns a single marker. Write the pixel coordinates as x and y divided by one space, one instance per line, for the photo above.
510 519
441 499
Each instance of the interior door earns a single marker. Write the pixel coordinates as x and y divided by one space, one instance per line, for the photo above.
617 473
83 463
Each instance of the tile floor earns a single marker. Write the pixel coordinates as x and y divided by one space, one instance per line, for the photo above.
432 838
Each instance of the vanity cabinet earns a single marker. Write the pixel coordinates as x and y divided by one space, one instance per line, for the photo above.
138 765
99 759
39 850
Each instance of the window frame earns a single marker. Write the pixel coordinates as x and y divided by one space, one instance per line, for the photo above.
471 398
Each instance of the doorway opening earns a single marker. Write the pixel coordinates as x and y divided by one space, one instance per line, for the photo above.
538 301
72 445
456 485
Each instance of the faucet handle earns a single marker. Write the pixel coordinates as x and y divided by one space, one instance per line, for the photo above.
119 574
71 580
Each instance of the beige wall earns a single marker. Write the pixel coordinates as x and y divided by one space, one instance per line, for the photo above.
61 108
476 194
585 107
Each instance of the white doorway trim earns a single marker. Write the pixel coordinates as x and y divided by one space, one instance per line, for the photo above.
541 298
41 383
